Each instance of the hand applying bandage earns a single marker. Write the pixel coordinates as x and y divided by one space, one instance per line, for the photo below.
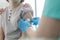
25 23
25 16
26 19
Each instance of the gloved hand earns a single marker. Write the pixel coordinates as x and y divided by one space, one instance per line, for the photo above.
35 20
23 24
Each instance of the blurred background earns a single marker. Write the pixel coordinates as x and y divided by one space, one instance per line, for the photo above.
37 6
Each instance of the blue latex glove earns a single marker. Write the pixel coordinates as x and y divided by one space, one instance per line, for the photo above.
23 24
35 20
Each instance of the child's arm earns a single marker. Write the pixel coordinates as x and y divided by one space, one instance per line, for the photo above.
1 34
26 16
1 30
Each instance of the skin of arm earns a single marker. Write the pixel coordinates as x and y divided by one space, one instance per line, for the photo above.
48 29
1 30
1 34
26 16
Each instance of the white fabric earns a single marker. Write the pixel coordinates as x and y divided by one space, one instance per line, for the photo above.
10 28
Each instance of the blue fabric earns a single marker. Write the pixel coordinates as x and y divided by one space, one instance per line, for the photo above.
52 9
23 24
35 20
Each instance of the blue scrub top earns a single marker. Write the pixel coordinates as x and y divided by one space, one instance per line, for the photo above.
52 9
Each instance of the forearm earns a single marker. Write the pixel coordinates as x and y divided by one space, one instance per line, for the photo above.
27 15
48 28
1 34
